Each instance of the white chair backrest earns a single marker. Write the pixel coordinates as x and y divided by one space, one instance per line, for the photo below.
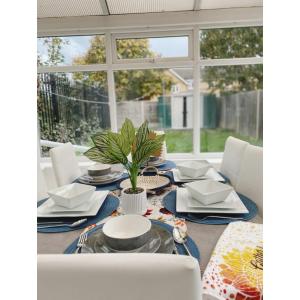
164 146
250 181
64 163
41 184
233 153
118 276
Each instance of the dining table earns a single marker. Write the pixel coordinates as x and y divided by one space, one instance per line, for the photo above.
205 236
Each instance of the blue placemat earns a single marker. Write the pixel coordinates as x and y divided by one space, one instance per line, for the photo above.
169 202
170 174
110 204
167 165
190 243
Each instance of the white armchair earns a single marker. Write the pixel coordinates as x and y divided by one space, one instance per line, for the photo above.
118 277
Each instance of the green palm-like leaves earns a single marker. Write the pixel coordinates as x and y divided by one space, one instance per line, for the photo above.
114 148
128 131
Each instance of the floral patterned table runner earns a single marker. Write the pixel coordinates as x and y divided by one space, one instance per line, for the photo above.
235 270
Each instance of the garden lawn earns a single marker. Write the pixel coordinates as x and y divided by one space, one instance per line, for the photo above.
212 140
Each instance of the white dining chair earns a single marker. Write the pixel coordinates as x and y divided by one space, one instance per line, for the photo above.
250 180
164 150
118 276
233 153
64 163
41 184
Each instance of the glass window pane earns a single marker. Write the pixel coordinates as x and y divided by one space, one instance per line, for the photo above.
72 106
231 104
71 50
137 48
161 96
231 42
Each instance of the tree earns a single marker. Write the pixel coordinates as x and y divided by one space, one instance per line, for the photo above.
232 43
55 56
132 84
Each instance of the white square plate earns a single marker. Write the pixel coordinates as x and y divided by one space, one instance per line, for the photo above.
211 174
82 207
234 204
46 209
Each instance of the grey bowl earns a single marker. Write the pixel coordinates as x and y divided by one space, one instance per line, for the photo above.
99 170
126 243
153 158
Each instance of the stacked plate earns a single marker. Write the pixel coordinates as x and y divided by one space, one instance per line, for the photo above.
100 174
130 234
155 162
72 200
195 170
186 202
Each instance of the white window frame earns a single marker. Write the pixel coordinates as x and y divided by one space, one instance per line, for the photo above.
157 34
193 60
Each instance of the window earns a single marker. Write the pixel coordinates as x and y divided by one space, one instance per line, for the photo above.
71 50
149 95
72 106
151 76
152 47
231 42
231 104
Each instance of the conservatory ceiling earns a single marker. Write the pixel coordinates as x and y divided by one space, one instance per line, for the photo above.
74 8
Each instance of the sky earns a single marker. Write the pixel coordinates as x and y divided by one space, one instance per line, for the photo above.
167 47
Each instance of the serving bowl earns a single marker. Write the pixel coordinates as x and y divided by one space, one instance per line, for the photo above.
193 169
71 195
99 170
126 232
208 191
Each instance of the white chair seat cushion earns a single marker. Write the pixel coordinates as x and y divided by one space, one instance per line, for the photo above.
235 270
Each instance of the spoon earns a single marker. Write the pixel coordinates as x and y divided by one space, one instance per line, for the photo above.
180 237
72 225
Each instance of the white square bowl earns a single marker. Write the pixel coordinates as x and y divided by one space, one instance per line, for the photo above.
71 195
208 191
193 169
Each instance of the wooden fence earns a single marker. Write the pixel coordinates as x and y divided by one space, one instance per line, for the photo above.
242 113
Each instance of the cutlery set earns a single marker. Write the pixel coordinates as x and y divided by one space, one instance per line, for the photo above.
51 224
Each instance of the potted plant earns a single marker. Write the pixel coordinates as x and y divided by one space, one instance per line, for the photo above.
112 148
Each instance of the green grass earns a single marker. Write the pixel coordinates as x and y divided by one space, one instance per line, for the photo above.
212 140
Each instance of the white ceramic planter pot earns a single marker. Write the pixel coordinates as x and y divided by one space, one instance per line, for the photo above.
134 203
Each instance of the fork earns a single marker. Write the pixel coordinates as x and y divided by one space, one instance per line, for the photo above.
219 217
81 241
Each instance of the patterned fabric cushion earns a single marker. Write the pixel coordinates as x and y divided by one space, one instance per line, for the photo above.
235 270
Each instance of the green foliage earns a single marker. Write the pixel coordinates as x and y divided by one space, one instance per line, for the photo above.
54 47
137 84
112 148
232 43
